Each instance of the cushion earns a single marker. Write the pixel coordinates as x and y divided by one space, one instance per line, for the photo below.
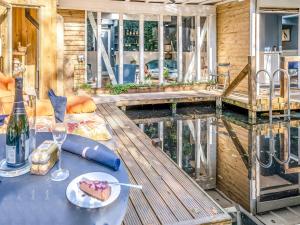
80 104
5 93
7 83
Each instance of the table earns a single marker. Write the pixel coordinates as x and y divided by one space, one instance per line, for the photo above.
34 200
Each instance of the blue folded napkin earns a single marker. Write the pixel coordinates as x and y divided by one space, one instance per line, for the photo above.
2 119
59 104
91 150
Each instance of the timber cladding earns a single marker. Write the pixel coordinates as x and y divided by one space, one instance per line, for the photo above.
47 47
74 45
232 170
233 38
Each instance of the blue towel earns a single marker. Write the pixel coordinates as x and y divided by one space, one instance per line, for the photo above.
91 150
59 104
2 119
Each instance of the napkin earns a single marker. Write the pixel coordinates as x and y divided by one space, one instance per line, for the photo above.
59 104
91 150
2 119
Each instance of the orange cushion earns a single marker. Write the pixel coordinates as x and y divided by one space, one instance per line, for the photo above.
7 83
80 104
3 86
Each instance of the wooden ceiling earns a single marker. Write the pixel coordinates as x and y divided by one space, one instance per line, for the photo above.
182 2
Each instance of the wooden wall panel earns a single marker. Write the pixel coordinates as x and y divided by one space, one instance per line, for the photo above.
233 38
74 45
47 21
232 173
25 33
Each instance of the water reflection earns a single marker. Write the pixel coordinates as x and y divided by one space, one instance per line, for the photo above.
234 157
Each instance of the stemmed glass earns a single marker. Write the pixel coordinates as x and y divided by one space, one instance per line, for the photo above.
59 133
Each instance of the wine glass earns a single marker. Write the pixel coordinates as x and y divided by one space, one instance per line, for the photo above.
59 133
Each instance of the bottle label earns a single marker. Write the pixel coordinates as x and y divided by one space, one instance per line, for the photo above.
11 154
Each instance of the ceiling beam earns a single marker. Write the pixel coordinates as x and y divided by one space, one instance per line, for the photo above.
137 7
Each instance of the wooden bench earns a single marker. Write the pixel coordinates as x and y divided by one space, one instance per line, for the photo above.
169 195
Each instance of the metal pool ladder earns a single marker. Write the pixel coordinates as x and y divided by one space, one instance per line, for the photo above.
286 115
271 116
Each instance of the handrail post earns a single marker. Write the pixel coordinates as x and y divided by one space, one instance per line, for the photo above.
285 90
252 90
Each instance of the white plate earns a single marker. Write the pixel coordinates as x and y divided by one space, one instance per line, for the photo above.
79 198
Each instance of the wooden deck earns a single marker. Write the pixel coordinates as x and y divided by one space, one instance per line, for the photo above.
241 100
237 99
157 98
169 195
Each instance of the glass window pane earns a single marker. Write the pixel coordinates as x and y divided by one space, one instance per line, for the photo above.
188 47
92 47
110 40
170 49
131 49
151 54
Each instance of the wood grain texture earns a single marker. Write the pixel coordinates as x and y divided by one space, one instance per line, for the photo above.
232 172
47 21
238 79
74 45
169 196
233 39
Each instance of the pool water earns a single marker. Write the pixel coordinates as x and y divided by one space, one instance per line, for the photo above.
225 153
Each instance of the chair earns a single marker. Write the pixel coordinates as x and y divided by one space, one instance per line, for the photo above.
226 75
129 73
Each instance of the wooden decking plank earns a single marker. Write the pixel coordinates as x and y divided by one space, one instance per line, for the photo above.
159 206
140 204
187 200
178 209
191 187
131 217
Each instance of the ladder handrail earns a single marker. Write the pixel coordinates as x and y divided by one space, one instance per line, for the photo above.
271 138
271 91
285 73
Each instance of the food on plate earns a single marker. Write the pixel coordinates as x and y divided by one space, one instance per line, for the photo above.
95 188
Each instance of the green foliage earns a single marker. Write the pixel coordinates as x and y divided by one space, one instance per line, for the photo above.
85 86
166 73
123 88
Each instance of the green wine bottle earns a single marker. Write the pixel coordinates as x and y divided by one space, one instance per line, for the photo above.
17 134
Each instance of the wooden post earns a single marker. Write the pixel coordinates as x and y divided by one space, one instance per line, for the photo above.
179 48
179 143
161 133
252 89
253 152
141 49
211 153
198 48
257 44
142 127
283 79
99 53
121 48
212 40
9 45
161 49
174 108
219 106
198 148
60 54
